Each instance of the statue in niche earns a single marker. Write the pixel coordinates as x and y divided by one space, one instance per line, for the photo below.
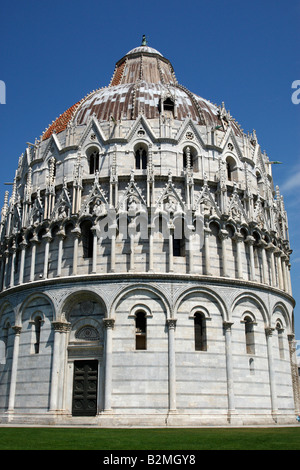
235 212
98 208
170 204
62 213
132 205
206 206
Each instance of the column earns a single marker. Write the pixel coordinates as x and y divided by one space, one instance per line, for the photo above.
263 245
77 234
48 239
113 252
207 232
109 325
251 240
171 260
289 279
229 368
279 268
61 236
57 374
271 248
294 369
14 369
12 268
64 332
269 332
223 236
34 242
2 271
171 322
5 272
150 234
23 245
238 237
282 261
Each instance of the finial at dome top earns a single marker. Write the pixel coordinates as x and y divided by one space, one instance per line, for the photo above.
144 41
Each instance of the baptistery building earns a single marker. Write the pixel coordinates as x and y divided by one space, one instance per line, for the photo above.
145 265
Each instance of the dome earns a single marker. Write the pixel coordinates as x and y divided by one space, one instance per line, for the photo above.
141 81
143 50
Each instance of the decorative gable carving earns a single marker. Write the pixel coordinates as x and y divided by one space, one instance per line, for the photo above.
96 202
132 200
205 203
170 200
62 208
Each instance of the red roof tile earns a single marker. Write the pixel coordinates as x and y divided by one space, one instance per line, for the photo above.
60 124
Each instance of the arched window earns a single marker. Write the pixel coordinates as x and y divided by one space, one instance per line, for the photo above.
231 169
140 330
37 334
251 366
141 158
249 335
93 159
167 107
200 332
280 340
87 239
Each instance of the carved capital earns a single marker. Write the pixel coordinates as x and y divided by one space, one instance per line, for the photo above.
250 240
227 324
269 331
238 237
171 322
223 234
109 323
17 329
62 327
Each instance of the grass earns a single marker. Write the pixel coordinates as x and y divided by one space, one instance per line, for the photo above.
282 438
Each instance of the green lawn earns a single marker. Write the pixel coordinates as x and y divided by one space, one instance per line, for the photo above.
285 438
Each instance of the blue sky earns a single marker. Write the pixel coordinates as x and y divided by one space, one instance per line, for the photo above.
243 53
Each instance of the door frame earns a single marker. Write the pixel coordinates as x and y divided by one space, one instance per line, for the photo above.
96 369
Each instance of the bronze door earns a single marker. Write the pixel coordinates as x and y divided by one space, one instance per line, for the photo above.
85 387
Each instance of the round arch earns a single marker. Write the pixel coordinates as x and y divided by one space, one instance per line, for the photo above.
282 309
30 298
202 290
73 298
144 287
257 301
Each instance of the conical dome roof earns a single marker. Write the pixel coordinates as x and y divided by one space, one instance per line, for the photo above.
142 80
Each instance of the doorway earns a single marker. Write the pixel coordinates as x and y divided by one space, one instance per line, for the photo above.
85 385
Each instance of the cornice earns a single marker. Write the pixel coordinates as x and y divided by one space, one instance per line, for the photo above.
140 277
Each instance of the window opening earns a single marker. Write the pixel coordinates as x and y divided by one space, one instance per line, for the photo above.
37 334
87 240
94 162
229 171
141 159
251 366
200 332
280 340
168 105
140 330
249 336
